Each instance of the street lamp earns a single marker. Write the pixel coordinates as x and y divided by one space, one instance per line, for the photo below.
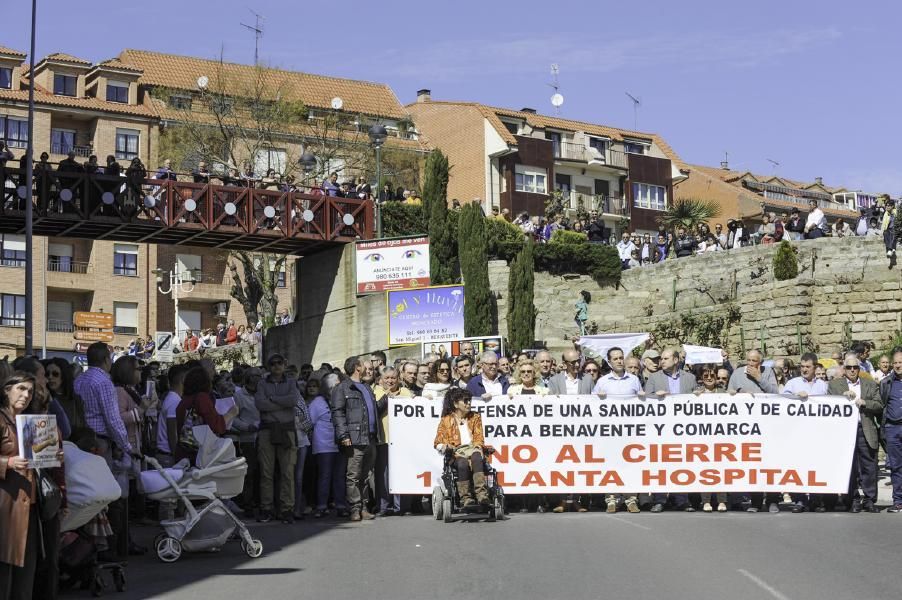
178 284
307 162
377 135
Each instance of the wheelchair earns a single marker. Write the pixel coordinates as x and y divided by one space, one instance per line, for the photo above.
446 501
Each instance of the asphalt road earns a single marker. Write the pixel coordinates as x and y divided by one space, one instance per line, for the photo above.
594 555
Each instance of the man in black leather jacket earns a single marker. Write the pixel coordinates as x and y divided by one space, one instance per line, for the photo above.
358 429
684 244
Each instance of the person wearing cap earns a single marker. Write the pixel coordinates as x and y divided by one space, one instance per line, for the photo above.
650 363
276 398
866 396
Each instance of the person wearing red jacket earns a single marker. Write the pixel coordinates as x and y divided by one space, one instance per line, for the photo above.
232 333
197 398
191 341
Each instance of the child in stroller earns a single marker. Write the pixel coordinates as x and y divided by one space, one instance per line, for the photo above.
469 481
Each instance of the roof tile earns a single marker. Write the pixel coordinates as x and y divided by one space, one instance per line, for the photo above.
12 52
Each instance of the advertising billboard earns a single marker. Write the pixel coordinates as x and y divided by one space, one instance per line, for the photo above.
392 264
433 313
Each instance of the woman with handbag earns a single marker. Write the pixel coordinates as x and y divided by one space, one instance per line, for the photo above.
196 408
24 557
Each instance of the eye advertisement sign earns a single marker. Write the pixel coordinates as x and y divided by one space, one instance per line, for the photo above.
434 314
392 264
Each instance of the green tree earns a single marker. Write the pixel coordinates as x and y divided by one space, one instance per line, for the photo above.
474 268
688 213
521 311
785 262
442 248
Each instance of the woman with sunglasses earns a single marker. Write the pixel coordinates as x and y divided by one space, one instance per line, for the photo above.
593 369
707 377
460 433
526 383
440 377
60 386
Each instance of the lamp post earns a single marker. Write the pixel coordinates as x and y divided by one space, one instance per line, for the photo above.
28 197
177 285
307 162
377 135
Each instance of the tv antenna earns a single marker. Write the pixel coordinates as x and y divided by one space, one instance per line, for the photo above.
257 28
557 99
637 102
773 163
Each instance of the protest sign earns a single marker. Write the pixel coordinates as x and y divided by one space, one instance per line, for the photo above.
38 440
452 349
597 346
434 313
681 443
702 355
392 264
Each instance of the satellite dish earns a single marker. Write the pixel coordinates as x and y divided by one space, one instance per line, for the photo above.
203 81
557 100
337 103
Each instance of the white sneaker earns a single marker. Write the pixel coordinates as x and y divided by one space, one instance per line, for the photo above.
707 507
721 507
889 253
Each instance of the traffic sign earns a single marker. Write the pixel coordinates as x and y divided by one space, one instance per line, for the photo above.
94 336
96 320
164 343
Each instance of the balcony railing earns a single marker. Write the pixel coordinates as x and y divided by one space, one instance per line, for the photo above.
60 326
611 205
84 151
61 265
592 155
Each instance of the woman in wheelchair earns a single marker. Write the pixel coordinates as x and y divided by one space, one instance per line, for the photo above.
460 435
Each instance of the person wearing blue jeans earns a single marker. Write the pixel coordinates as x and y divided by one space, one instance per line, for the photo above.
891 394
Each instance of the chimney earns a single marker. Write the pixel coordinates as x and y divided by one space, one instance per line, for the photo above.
531 111
819 180
424 95
725 165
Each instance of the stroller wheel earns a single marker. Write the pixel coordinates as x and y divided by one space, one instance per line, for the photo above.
437 497
168 549
97 586
119 579
446 510
254 549
158 537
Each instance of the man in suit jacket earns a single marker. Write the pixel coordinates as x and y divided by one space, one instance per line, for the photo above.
569 382
865 394
670 380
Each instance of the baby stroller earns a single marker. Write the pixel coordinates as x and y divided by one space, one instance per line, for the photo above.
90 487
446 502
219 475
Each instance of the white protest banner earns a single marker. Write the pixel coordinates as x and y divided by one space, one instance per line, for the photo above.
702 355
392 264
598 345
681 443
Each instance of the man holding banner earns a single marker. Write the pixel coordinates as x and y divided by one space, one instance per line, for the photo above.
803 386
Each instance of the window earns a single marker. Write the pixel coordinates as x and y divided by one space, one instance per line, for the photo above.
59 258
14 131
127 143
6 78
62 141
13 251
125 260
530 179
13 310
633 148
555 138
599 144
117 92
59 316
180 102
269 158
188 265
64 85
126 317
652 197
512 127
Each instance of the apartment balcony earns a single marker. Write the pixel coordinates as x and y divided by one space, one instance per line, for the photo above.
58 326
590 155
64 149
616 206
70 275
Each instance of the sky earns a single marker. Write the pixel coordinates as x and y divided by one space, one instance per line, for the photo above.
812 86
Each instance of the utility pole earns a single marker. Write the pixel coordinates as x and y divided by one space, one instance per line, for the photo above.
257 28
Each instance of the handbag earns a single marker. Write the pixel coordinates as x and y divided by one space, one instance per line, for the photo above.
50 496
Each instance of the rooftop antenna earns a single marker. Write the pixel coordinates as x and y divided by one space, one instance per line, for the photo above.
257 28
773 163
725 163
637 102
557 99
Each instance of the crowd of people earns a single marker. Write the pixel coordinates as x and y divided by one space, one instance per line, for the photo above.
316 440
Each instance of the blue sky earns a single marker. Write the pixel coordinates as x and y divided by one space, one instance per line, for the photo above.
814 86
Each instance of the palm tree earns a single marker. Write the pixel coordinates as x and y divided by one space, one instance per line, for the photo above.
688 213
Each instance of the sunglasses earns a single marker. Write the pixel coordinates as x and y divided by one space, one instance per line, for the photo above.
571 362
526 371
591 370
853 367
445 370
